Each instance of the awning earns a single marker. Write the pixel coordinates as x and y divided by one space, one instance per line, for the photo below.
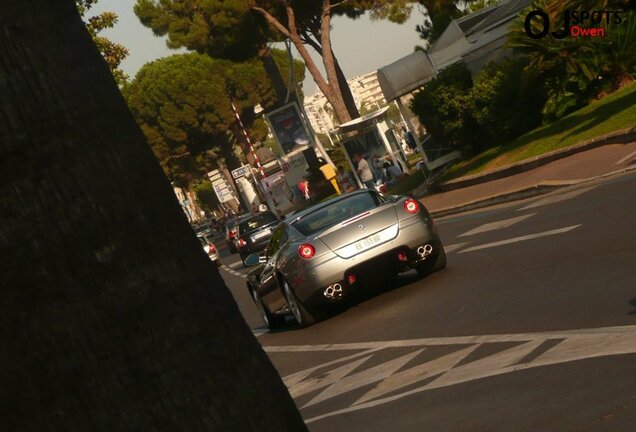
362 122
405 75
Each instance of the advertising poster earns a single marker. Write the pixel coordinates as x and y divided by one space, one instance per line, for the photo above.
371 147
289 128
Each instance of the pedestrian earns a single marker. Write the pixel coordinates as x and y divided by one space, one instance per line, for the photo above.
410 139
392 174
303 186
344 180
364 171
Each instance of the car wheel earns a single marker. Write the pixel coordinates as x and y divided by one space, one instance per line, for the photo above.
303 317
271 321
431 266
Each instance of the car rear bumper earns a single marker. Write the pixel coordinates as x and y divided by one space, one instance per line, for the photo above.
310 281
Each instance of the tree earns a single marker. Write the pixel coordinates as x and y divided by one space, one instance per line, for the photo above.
242 28
439 13
183 105
112 318
443 106
112 52
576 70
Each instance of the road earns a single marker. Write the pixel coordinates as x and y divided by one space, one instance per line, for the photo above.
532 327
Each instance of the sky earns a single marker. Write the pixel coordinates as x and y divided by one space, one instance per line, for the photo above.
360 45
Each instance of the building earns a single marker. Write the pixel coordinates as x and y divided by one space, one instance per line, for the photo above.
318 113
367 95
367 92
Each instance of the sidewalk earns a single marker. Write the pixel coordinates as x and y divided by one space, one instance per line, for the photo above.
569 170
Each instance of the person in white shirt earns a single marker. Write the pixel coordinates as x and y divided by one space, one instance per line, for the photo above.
364 171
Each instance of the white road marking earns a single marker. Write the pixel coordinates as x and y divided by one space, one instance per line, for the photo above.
417 373
366 377
234 272
338 377
292 379
235 264
521 238
557 198
453 247
496 225
629 156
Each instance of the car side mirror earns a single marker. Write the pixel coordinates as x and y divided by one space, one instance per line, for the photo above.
254 259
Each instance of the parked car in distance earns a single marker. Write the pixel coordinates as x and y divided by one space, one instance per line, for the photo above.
231 231
323 254
209 249
205 228
254 233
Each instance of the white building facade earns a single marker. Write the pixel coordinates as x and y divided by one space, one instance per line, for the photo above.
367 95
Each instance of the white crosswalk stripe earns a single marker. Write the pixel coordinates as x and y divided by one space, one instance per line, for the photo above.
453 247
234 272
520 239
235 264
496 225
557 198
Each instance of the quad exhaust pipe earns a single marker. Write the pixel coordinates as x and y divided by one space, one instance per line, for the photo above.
334 292
424 251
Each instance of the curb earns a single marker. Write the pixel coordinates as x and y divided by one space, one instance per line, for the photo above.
618 137
523 193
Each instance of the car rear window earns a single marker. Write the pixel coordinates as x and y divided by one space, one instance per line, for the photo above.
336 212
256 222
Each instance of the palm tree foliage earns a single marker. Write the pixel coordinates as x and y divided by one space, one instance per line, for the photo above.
577 69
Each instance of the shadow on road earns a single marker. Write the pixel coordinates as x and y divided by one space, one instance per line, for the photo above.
633 303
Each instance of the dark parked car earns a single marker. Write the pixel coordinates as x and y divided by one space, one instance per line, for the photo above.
318 256
254 233
231 231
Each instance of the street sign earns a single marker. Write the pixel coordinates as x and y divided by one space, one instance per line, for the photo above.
241 172
214 175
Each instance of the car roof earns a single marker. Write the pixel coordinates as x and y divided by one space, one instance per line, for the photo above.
239 218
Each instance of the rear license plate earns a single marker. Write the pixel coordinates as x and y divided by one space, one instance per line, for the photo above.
261 234
367 243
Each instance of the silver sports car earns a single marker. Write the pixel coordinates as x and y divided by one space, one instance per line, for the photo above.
318 256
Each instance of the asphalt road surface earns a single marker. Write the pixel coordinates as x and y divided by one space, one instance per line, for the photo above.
532 327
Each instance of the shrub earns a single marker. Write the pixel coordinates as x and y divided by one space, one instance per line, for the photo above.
443 107
505 102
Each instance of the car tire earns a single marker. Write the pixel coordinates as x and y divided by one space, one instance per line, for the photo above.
301 314
429 267
271 321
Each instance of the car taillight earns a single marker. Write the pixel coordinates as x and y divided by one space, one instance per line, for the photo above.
411 206
232 233
242 242
306 250
211 249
